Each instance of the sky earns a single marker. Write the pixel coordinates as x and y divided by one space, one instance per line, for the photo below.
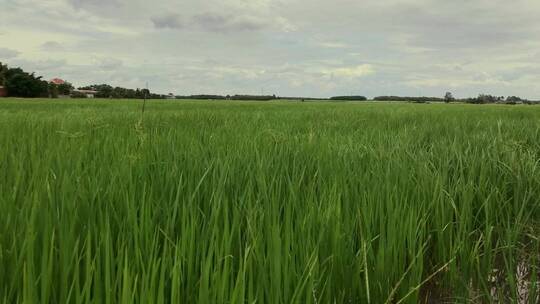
317 48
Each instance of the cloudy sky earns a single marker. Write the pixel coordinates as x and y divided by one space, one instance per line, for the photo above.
283 47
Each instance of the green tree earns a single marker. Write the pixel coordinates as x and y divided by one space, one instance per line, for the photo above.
65 88
3 70
21 84
448 97
53 90
349 98
514 99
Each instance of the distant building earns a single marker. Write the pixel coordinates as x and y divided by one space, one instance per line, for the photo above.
57 81
87 93
170 96
3 91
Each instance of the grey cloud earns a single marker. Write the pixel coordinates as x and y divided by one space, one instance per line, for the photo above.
109 63
223 23
469 25
6 53
92 3
518 73
51 64
208 22
51 46
170 21
118 11
48 66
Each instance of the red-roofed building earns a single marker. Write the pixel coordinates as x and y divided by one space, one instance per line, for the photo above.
57 81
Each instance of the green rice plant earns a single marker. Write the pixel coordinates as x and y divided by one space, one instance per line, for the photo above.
268 202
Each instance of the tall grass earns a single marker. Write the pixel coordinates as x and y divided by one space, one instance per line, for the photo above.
267 202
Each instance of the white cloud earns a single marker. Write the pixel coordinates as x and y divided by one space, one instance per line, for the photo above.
333 45
351 72
292 47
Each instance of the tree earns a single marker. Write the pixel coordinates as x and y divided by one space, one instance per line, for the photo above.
423 99
482 99
513 99
145 93
107 91
21 84
53 90
3 70
65 88
448 97
349 98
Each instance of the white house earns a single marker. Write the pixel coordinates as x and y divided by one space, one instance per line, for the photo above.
88 93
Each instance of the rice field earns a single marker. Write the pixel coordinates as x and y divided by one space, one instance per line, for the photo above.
268 202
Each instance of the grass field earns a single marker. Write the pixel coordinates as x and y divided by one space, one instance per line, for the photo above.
269 202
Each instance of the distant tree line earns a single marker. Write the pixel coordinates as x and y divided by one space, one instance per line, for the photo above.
481 99
253 97
229 97
486 99
19 83
302 98
349 98
203 97
248 97
408 99
64 89
108 91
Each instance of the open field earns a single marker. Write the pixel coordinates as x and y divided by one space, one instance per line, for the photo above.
267 202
